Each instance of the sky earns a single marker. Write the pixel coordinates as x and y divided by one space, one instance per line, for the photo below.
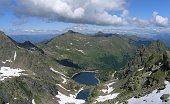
86 16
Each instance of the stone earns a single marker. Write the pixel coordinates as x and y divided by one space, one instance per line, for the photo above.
164 97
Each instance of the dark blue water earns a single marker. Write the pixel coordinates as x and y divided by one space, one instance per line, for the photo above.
84 94
88 78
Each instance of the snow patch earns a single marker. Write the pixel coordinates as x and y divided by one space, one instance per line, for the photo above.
3 62
81 51
67 49
63 99
58 47
150 73
19 47
64 80
33 101
77 93
109 89
86 43
9 60
7 72
15 55
106 97
141 69
52 69
104 90
113 74
152 98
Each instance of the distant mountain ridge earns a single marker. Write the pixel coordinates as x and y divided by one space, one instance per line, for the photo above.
163 37
32 38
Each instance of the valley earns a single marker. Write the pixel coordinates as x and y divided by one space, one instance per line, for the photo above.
78 68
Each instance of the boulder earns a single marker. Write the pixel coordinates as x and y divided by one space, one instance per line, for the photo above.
164 97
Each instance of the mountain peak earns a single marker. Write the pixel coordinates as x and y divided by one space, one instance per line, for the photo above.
2 34
27 44
70 31
4 39
101 34
30 46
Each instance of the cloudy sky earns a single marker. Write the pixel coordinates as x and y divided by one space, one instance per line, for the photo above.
56 16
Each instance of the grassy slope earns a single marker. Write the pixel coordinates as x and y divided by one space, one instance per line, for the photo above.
99 52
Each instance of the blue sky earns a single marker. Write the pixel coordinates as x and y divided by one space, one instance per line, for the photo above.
144 8
56 16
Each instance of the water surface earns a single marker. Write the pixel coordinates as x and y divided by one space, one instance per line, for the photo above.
83 94
88 78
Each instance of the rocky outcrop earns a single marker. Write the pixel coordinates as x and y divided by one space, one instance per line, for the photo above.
164 97
146 70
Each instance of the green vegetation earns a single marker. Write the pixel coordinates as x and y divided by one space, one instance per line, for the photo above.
24 87
94 93
73 52
91 53
104 75
159 76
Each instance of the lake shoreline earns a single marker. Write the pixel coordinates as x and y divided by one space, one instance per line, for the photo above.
93 77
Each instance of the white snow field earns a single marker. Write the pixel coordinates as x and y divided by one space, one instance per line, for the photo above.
109 89
106 97
63 99
33 101
109 95
152 98
7 72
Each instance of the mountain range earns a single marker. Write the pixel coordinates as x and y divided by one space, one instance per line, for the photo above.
129 69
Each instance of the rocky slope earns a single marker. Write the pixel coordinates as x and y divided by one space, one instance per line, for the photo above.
145 78
25 75
41 74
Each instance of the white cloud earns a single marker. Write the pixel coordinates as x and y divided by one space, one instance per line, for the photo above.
139 22
95 12
75 11
160 20
125 13
31 31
